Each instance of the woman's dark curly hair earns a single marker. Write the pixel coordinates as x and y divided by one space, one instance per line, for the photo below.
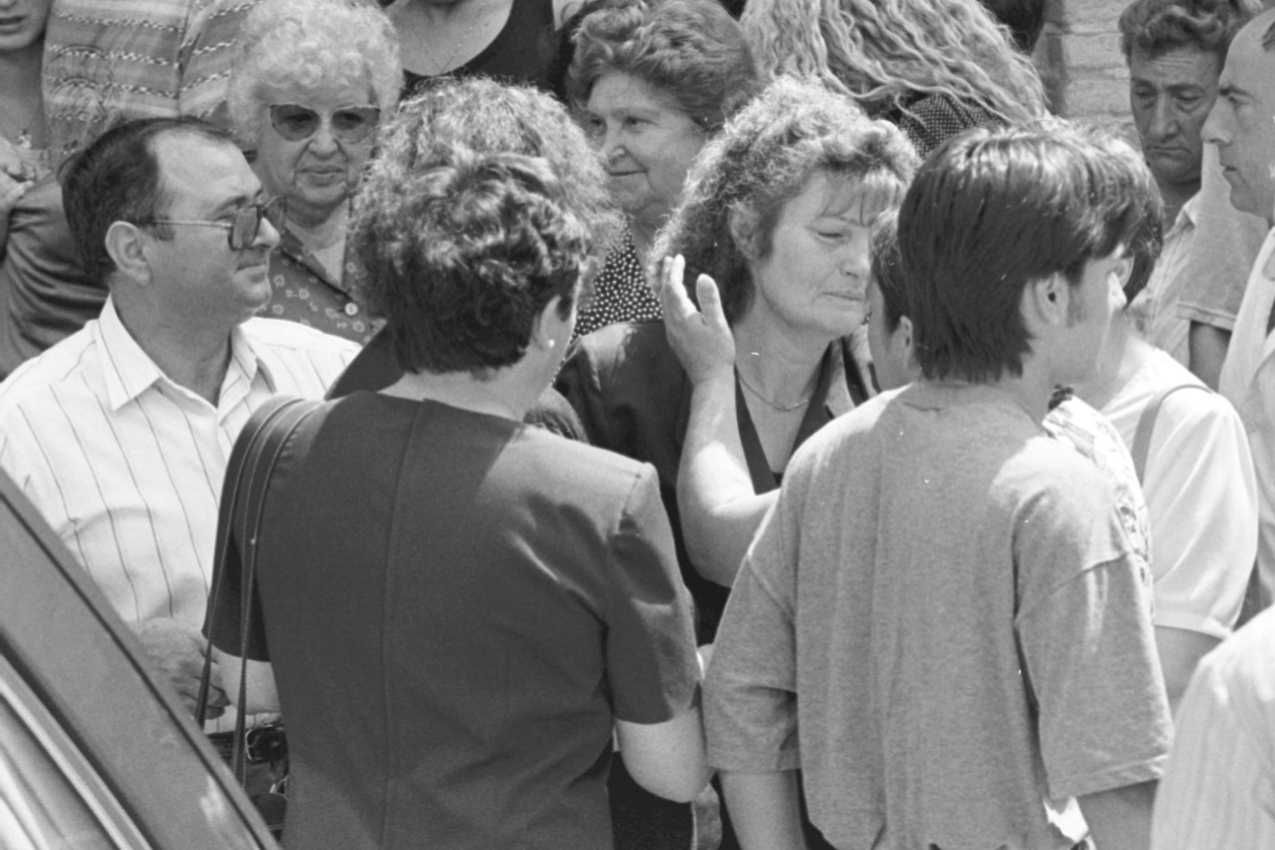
464 256
762 159
691 50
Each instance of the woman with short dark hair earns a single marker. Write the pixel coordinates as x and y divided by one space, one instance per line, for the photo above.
460 609
651 81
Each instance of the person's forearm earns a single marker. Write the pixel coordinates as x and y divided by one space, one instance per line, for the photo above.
1207 350
1120 819
717 505
1180 651
764 809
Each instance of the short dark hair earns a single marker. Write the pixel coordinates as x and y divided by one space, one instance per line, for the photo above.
464 256
887 270
117 178
1126 173
1153 27
691 50
989 212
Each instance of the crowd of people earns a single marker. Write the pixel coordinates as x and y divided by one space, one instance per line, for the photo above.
717 425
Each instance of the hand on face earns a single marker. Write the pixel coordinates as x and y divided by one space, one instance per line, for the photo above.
701 338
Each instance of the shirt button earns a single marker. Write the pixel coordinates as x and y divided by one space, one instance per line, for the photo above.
351 309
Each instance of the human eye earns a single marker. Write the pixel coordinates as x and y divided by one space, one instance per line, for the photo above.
593 126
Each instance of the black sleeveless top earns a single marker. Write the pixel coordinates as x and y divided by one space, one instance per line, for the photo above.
522 52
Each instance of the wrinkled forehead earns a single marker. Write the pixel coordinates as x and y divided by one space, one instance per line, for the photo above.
197 174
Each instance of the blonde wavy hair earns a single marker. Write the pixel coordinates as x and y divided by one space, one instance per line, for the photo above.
884 53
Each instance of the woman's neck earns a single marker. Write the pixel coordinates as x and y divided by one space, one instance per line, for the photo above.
500 395
643 235
318 229
780 366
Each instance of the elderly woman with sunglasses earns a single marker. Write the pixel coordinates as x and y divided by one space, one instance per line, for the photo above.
313 78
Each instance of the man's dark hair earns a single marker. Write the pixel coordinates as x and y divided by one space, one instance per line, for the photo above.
989 212
1127 175
1153 27
887 270
116 178
1025 19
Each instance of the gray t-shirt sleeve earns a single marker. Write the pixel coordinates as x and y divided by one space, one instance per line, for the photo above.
750 702
1088 650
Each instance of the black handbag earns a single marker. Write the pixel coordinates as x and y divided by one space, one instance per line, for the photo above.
243 500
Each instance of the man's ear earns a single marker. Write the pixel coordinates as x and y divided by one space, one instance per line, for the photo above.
902 339
742 222
1045 301
126 246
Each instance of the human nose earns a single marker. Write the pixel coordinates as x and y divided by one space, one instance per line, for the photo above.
324 140
1215 126
1164 120
267 235
612 147
856 256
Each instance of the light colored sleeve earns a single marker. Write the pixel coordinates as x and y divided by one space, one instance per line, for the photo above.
1225 244
1202 498
206 55
1219 788
750 701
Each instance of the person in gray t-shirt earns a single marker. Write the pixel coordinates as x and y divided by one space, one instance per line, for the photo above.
943 623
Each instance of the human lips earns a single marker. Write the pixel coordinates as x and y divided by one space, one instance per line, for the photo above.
8 23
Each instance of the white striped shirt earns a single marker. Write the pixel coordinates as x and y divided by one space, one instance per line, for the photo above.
1219 789
127 466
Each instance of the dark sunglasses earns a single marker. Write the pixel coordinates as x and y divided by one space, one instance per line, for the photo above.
350 124
244 224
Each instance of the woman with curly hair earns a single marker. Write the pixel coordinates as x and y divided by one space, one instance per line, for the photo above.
778 208
309 86
489 117
934 67
460 610
652 81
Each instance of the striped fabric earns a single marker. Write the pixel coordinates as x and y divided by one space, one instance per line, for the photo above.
138 59
1219 790
127 466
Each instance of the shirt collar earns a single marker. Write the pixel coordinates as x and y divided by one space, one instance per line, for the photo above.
837 398
128 371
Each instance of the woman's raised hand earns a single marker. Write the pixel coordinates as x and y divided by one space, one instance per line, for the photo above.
700 337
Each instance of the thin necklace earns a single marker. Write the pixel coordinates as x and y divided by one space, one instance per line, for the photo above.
760 396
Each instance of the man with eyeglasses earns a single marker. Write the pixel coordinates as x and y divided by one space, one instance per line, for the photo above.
120 433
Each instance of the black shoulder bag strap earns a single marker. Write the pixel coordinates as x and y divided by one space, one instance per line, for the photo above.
1146 426
243 496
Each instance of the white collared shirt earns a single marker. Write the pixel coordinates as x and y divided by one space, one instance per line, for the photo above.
1219 788
127 466
1248 382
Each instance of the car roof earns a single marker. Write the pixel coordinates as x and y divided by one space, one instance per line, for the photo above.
69 648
